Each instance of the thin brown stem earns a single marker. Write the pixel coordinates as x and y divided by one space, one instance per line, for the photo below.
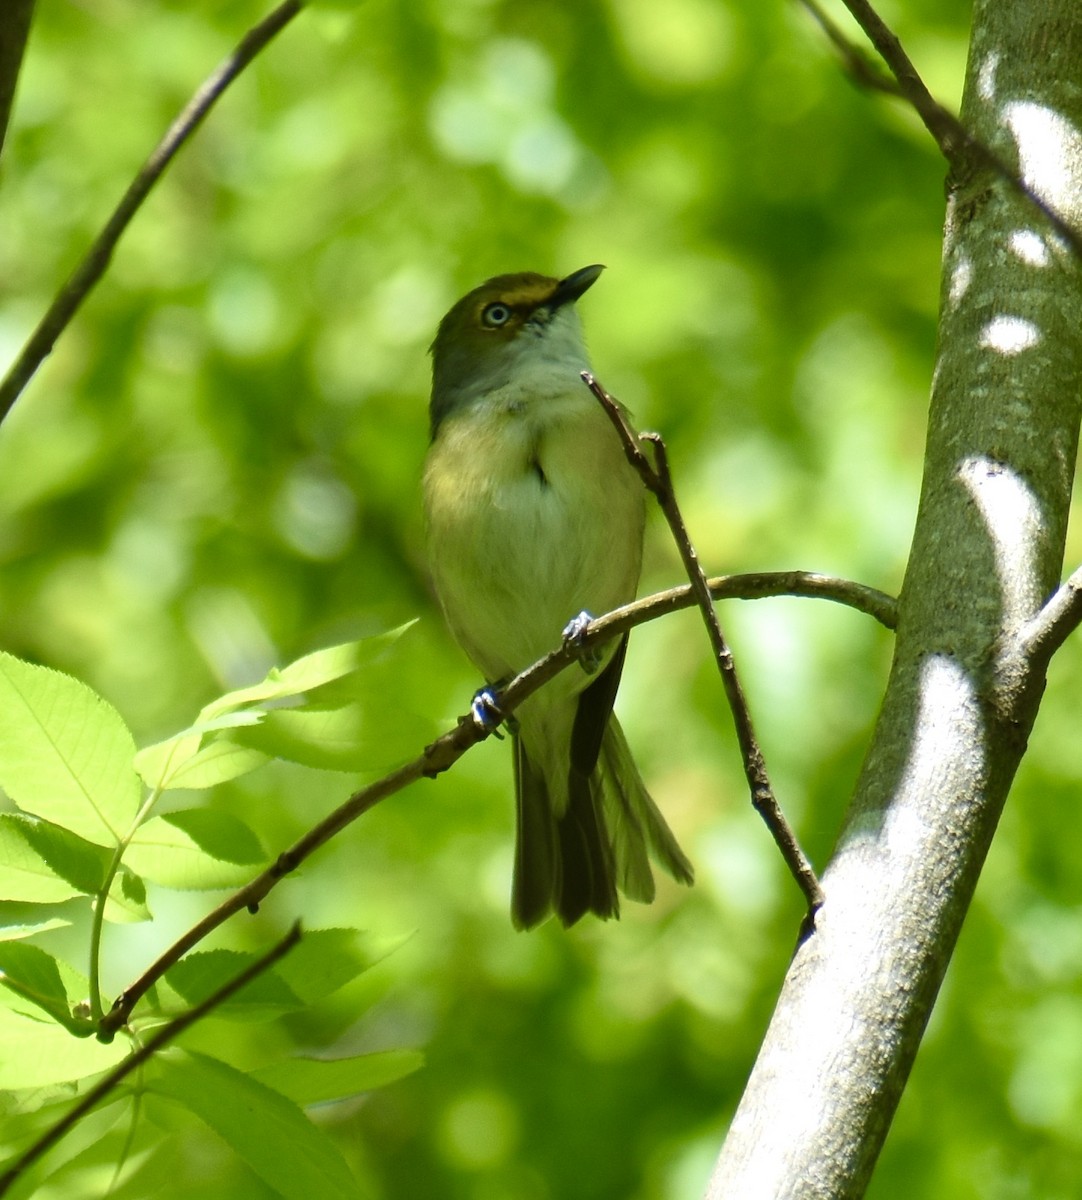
658 479
97 258
163 1037
445 751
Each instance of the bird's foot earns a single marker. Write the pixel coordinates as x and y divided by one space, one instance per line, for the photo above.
486 712
573 634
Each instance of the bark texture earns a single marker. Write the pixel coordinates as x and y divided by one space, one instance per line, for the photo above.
964 687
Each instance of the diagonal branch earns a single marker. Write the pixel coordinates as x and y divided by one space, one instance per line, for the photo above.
958 146
93 266
446 750
162 1038
659 481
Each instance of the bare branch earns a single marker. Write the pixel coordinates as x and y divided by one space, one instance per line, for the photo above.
867 73
163 1037
97 258
446 750
958 146
659 480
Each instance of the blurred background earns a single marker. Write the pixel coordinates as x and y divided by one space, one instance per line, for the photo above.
217 471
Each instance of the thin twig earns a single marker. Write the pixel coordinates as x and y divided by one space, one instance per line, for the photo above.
149 1048
862 69
14 30
97 258
958 146
659 481
1056 621
445 751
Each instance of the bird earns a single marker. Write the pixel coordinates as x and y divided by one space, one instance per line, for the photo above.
533 516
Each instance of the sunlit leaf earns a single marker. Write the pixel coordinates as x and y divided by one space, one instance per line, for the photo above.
127 901
195 848
79 863
36 1052
203 972
13 933
318 1080
325 960
270 1133
184 755
65 754
25 873
33 976
309 673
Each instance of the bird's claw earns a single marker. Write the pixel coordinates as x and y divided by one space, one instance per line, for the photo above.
573 634
486 712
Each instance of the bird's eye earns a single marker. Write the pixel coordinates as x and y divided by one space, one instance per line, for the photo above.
496 315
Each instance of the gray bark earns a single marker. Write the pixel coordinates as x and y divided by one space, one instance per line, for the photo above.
966 681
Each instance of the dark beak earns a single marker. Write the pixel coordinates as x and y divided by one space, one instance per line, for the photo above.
570 289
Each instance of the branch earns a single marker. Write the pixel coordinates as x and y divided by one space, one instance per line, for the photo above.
964 686
957 145
447 749
93 266
659 481
1055 623
151 1047
14 30
867 73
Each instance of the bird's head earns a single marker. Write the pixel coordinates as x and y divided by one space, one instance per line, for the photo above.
512 328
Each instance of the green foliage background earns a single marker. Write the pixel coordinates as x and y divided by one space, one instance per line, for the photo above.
218 469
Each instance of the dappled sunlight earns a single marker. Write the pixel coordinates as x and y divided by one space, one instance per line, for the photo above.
1049 153
946 720
1012 517
1010 335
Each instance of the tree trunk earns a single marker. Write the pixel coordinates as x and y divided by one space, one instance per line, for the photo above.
965 685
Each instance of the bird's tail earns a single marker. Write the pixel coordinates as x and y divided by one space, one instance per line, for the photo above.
574 861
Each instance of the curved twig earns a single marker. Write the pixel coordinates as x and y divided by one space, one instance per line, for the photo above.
658 480
445 751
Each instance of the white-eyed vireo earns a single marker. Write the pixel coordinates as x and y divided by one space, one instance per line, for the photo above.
534 515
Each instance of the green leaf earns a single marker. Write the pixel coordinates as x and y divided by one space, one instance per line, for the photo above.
318 1080
309 673
322 962
215 763
13 933
186 760
43 863
183 754
202 973
325 960
81 864
220 834
362 736
25 873
39 1053
196 848
269 1132
65 754
127 900
34 976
